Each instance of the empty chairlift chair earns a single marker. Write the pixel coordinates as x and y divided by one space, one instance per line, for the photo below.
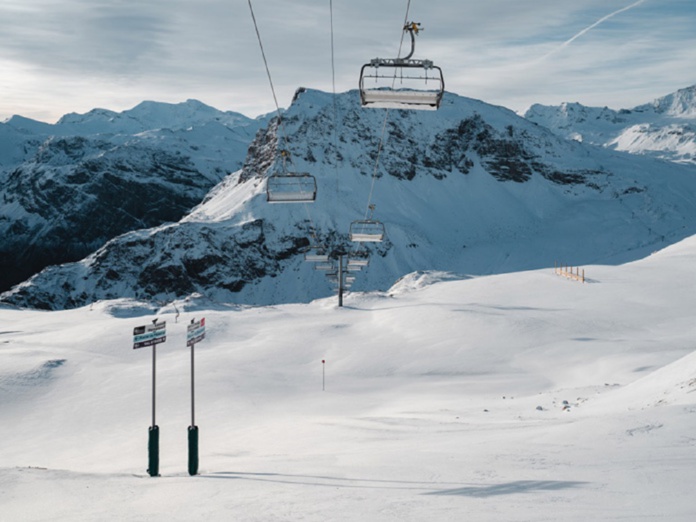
367 230
355 264
316 255
312 257
420 82
291 187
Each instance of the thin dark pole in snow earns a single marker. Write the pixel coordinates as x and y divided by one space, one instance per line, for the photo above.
340 280
153 432
151 336
193 330
154 365
193 402
323 375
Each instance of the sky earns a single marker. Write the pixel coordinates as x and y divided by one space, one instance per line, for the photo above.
76 55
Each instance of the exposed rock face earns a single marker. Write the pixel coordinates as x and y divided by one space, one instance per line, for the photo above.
67 194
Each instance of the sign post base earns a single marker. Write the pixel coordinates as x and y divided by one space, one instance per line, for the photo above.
193 450
153 451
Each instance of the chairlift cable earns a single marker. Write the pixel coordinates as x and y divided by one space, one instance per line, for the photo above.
370 230
335 110
270 79
313 229
281 129
384 124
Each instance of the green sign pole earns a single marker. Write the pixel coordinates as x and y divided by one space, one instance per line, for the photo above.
153 440
194 332
151 335
340 280
193 429
193 450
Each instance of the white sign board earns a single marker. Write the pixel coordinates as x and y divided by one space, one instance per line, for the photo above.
149 335
195 332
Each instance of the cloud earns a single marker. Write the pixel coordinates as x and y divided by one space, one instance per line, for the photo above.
74 55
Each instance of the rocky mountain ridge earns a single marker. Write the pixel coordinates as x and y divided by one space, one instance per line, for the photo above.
69 187
469 189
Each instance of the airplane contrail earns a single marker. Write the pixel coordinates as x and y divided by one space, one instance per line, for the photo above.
589 28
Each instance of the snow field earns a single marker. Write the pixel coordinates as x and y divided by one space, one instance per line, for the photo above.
444 401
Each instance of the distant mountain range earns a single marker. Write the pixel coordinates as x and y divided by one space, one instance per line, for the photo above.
665 128
471 188
70 187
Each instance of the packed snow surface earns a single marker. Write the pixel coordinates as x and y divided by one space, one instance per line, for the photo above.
522 396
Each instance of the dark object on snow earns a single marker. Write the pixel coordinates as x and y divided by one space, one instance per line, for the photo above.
193 450
153 451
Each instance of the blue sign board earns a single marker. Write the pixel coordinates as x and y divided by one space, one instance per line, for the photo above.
195 332
149 335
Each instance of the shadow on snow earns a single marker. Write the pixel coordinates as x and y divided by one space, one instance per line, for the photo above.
428 488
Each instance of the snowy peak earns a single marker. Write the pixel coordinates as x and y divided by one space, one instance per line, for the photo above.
26 125
681 104
665 128
150 115
569 115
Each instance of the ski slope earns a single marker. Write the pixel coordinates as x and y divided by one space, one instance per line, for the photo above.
516 397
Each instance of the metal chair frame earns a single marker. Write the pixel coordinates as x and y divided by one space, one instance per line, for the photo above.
291 188
402 69
367 231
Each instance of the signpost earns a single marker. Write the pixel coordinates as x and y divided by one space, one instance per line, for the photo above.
340 280
195 332
151 335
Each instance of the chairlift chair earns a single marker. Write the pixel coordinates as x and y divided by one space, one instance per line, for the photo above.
291 188
316 258
359 262
367 230
421 83
316 255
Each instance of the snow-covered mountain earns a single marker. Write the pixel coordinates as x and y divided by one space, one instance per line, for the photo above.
471 188
67 188
665 128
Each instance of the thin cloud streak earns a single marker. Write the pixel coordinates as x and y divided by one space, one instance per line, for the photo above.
589 28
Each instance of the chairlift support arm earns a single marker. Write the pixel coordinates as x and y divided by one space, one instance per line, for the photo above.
412 28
